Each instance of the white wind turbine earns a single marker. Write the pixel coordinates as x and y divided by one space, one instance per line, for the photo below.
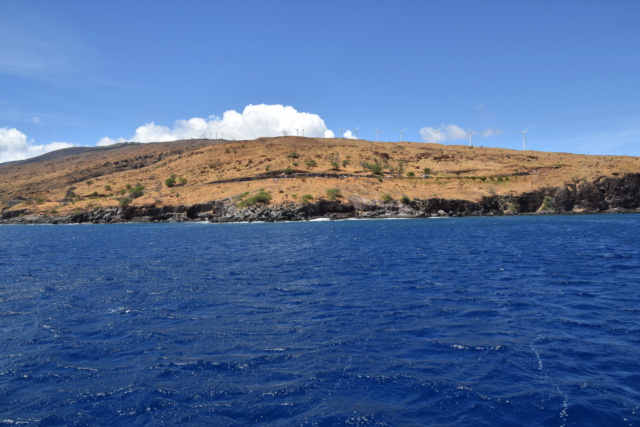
401 131
297 131
284 132
437 132
342 132
355 131
470 135
524 139
378 133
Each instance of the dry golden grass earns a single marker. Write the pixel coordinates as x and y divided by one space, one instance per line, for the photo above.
457 172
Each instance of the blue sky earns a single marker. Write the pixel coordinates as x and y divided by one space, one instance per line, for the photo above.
76 72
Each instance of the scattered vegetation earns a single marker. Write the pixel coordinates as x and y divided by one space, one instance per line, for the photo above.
387 198
311 163
411 174
334 193
375 168
293 155
261 197
288 171
136 191
405 200
548 204
125 201
171 181
306 198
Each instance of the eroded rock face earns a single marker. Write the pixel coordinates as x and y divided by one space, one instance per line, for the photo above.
602 195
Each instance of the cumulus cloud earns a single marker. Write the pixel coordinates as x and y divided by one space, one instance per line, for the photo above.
452 132
448 132
349 135
491 132
15 146
255 121
108 141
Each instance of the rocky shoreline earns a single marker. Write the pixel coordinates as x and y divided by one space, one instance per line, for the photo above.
605 195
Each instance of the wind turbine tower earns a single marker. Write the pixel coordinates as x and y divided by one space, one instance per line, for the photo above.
284 132
356 131
342 132
436 132
524 139
401 132
377 133
470 135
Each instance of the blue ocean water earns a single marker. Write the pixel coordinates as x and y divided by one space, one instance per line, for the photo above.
442 322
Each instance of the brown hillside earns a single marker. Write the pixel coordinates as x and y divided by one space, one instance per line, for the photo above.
71 181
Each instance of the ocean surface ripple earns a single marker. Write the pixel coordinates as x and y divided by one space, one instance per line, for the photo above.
457 321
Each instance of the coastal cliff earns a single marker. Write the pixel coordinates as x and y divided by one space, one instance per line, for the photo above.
606 195
296 179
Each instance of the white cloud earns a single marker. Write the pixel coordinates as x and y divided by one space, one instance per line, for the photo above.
452 132
36 120
349 135
448 132
255 121
15 146
108 141
491 132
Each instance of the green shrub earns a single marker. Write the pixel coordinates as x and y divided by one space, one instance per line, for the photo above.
171 181
405 200
427 171
334 193
306 198
136 191
548 204
411 174
261 197
345 163
293 155
311 163
288 171
335 165
183 180
107 188
125 201
375 168
386 198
